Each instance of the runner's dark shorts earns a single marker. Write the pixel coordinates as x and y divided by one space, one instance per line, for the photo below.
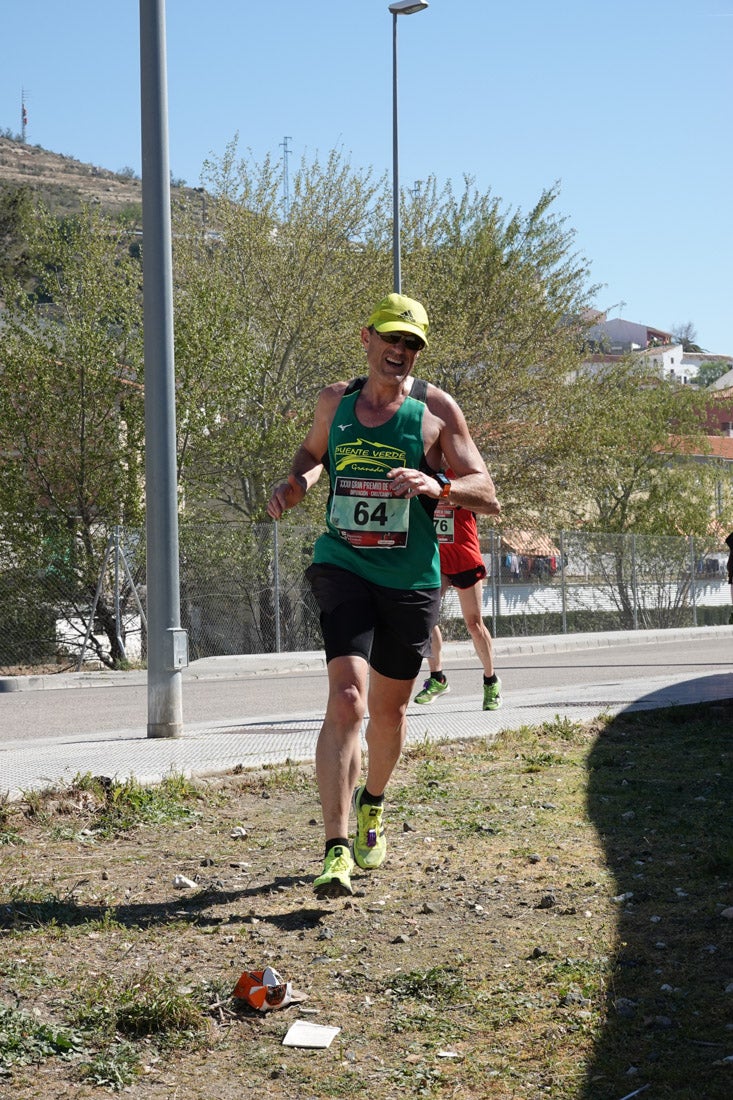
389 627
467 578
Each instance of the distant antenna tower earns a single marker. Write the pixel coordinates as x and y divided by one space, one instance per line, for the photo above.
23 115
286 183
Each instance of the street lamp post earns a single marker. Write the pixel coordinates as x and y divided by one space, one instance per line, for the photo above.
401 7
167 641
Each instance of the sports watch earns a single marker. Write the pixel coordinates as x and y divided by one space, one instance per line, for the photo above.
444 483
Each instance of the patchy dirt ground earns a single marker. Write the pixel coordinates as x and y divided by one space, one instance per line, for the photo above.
545 925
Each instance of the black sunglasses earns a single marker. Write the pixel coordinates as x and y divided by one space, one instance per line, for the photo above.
412 343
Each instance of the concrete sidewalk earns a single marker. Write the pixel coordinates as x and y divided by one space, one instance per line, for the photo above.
276 738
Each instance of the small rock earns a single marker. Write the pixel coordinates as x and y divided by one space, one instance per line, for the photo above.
325 934
727 913
547 901
401 938
572 997
535 858
239 833
182 883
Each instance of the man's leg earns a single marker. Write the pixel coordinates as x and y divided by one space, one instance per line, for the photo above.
470 601
338 764
435 684
338 751
385 737
386 729
435 660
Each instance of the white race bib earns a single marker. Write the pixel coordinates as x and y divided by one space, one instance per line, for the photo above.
367 515
444 522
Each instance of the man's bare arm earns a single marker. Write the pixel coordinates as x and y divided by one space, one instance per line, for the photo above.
307 462
472 485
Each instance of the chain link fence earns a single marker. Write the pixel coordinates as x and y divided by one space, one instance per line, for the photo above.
243 591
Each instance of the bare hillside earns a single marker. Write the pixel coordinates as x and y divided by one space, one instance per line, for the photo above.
63 182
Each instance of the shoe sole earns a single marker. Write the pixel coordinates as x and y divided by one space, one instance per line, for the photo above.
333 889
496 706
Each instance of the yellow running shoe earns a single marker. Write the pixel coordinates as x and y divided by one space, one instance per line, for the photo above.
335 882
492 695
370 847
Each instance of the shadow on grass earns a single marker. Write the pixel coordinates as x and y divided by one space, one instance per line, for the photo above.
197 908
660 795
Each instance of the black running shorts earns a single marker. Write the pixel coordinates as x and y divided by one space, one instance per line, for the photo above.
468 577
389 627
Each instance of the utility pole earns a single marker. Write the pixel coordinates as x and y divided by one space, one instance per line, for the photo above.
167 642
286 183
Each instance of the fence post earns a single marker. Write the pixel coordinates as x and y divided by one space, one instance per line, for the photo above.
495 581
276 583
563 594
693 590
118 617
633 581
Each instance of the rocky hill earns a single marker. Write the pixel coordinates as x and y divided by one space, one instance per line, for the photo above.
65 183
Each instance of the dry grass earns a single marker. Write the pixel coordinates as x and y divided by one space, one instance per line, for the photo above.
549 923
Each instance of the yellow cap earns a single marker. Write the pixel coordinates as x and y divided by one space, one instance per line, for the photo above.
396 313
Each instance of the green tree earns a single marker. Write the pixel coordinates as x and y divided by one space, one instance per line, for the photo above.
16 213
710 372
507 297
268 303
71 407
629 445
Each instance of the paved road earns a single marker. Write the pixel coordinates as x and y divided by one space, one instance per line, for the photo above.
230 690
249 711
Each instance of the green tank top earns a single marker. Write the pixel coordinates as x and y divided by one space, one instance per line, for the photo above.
386 539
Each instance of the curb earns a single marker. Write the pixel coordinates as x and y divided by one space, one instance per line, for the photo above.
255 664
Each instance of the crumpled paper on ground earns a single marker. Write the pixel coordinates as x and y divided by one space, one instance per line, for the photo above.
266 990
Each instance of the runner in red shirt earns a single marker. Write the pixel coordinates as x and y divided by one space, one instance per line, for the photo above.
462 566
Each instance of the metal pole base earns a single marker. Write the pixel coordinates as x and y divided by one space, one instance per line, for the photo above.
165 729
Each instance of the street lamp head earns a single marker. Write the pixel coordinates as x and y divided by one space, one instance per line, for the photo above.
407 7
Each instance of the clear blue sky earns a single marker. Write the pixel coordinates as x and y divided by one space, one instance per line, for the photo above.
628 105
